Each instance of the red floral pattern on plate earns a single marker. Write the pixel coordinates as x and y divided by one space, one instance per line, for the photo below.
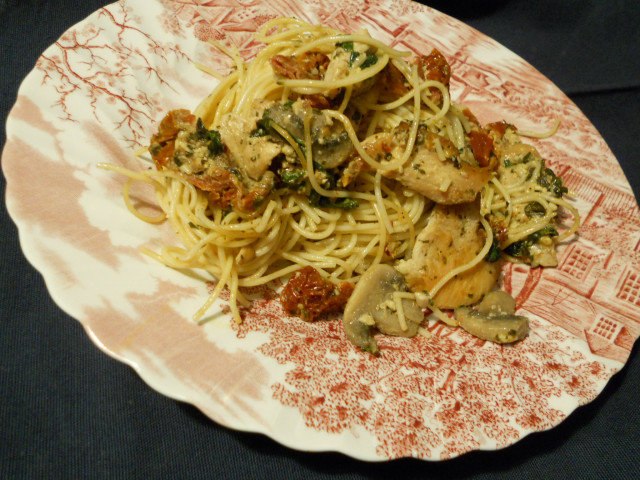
95 95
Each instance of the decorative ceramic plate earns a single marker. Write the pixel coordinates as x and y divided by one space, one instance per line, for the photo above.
96 95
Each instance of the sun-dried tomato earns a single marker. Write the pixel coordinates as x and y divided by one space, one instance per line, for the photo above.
310 296
499 127
482 146
223 191
392 83
434 67
309 65
162 143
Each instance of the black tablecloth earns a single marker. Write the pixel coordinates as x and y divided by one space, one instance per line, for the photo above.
69 411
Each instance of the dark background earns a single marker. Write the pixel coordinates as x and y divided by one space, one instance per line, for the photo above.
69 411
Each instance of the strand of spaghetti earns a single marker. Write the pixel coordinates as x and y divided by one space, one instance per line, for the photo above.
143 176
413 80
264 221
547 134
269 241
274 24
348 247
222 281
463 268
329 261
205 109
208 70
382 239
574 212
233 297
253 282
458 131
314 235
400 311
446 103
381 209
439 151
505 195
139 152
345 99
402 100
443 317
412 229
127 201
321 247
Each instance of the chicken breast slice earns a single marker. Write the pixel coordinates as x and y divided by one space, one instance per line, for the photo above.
253 155
453 237
446 181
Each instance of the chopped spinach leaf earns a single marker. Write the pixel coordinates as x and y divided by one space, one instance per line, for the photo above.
551 182
534 209
521 248
215 142
212 136
354 56
317 200
346 45
371 59
494 252
291 177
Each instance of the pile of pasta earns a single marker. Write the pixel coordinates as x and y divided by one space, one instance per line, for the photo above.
334 151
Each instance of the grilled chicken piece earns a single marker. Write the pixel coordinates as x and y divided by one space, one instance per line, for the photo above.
447 182
252 154
452 238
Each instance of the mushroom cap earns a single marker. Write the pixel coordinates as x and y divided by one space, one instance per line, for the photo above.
499 328
372 303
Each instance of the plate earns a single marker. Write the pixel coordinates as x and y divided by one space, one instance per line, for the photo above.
95 95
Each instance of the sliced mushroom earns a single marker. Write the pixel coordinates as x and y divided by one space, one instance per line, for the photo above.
373 303
495 320
331 144
497 302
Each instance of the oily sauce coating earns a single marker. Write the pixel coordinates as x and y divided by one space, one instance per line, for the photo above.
310 296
